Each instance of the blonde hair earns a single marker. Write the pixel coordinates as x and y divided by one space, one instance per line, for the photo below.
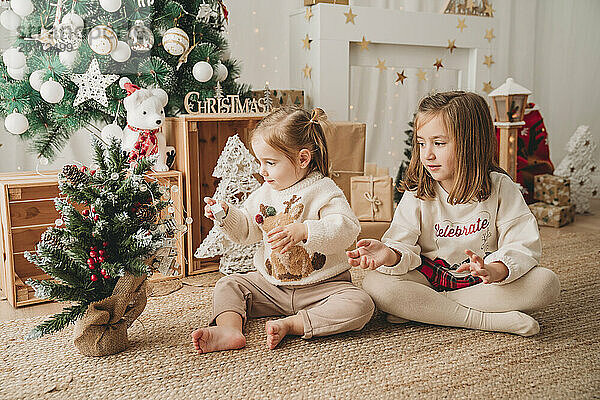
290 129
466 118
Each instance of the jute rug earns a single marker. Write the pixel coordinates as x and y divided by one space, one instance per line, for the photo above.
381 362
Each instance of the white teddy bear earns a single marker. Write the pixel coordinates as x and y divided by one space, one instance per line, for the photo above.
145 115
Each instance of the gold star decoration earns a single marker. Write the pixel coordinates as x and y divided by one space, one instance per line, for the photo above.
306 42
489 10
401 77
438 64
308 14
487 87
489 35
451 45
422 75
488 61
307 71
349 16
461 24
381 65
364 44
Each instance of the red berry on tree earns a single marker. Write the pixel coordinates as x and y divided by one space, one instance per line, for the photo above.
96 217
83 168
259 219
107 276
101 252
105 244
85 212
101 259
92 266
93 209
92 254
92 172
94 278
90 261
95 248
103 271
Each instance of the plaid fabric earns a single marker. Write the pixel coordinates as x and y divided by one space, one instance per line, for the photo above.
438 274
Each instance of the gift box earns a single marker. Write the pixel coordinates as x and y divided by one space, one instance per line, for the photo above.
552 189
346 148
313 2
551 215
372 198
375 170
282 97
372 230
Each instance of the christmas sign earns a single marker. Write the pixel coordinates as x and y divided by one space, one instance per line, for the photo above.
230 104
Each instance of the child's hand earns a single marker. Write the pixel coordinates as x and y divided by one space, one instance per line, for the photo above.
493 272
371 254
209 202
284 237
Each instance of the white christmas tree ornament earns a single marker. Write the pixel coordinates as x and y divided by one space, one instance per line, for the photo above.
92 84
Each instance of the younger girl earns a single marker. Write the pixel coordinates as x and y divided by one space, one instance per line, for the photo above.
306 225
463 247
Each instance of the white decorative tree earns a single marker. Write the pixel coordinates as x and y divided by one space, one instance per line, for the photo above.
235 167
579 166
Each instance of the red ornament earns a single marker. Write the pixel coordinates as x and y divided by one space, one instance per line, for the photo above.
105 244
107 276
259 219
94 278
85 212
90 261
101 259
93 254
96 217
101 252
103 271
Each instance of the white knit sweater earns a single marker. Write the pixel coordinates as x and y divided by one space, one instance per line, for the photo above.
501 228
332 227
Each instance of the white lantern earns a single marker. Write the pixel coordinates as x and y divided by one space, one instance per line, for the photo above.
52 91
13 58
110 131
221 72
22 7
175 41
16 73
68 58
102 39
121 53
10 20
202 71
73 20
110 5
36 79
16 123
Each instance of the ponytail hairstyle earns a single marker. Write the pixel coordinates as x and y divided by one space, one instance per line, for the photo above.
290 129
467 120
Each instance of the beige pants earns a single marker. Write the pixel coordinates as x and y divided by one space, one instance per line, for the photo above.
482 306
328 307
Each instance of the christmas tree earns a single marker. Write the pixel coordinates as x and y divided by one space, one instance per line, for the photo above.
404 165
117 230
235 167
61 73
580 167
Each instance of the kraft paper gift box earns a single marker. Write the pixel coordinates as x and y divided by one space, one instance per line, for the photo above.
346 148
551 215
552 189
372 230
282 97
372 198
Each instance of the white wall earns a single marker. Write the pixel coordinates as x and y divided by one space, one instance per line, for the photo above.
562 35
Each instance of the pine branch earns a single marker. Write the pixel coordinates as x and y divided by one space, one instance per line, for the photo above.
58 321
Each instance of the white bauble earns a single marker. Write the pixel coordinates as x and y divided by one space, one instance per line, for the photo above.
68 58
13 58
102 39
22 7
16 73
110 131
175 41
36 79
10 20
110 5
202 71
140 37
121 53
52 91
74 20
221 72
16 123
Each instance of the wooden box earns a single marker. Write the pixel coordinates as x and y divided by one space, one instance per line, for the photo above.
199 140
27 210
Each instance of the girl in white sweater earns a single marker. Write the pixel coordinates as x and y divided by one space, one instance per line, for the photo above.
463 247
306 224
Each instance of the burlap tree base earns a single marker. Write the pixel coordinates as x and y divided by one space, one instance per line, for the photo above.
103 328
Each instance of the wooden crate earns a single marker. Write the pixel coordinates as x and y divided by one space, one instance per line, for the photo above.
27 210
199 140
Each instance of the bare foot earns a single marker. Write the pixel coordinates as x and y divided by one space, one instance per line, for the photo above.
276 330
217 338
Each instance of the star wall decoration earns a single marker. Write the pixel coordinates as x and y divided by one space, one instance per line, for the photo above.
92 84
487 87
438 64
381 65
488 61
451 46
422 75
308 14
461 24
349 16
306 42
489 35
401 77
364 44
489 10
307 71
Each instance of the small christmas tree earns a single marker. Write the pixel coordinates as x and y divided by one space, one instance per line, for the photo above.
398 192
235 167
87 252
580 167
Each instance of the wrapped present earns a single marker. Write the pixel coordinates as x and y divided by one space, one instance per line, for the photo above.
282 97
375 170
313 2
372 230
552 189
551 215
346 146
372 198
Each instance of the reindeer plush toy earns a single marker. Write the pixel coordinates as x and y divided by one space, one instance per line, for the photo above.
294 264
